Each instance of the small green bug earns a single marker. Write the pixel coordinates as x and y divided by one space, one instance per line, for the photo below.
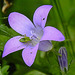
25 39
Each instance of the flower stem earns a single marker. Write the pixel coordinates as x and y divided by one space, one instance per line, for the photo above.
63 73
63 24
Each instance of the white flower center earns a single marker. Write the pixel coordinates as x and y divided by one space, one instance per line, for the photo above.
36 35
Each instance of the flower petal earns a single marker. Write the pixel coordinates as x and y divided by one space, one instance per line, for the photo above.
40 15
51 33
20 23
29 55
13 45
45 45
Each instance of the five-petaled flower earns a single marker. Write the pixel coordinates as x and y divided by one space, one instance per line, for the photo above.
39 35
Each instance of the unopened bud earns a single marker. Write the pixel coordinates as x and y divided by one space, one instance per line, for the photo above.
63 59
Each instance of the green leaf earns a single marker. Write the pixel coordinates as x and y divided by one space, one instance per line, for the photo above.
35 72
4 30
4 70
0 72
5 34
3 40
21 69
72 68
53 61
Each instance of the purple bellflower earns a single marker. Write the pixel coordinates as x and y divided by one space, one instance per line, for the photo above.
63 59
39 35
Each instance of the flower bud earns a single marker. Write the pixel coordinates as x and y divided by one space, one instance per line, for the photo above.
63 59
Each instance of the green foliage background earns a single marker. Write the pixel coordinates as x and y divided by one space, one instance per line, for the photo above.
61 16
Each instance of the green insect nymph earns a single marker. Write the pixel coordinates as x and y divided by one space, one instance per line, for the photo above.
25 39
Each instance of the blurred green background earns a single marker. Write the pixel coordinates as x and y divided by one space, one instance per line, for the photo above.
61 16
